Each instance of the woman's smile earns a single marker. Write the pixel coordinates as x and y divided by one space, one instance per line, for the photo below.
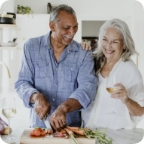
109 51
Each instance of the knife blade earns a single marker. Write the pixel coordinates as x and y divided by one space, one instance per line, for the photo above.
47 122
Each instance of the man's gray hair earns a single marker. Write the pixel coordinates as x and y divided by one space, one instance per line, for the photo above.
122 27
55 12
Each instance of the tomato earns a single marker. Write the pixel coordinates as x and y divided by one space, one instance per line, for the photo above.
32 133
37 133
43 133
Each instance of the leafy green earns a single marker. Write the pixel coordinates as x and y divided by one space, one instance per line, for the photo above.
73 139
100 136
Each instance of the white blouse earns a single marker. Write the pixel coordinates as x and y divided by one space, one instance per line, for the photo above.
100 112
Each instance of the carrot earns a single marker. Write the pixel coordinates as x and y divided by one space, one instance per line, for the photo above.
72 128
68 131
71 134
77 130
49 131
63 131
80 132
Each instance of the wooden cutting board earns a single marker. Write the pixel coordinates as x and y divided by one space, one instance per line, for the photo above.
26 139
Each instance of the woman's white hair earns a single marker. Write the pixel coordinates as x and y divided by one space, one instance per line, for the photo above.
122 27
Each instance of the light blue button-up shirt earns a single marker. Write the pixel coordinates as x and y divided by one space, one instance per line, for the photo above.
72 76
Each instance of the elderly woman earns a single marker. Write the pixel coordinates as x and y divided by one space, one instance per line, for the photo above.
122 108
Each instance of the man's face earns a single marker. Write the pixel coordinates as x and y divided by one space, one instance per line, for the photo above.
65 28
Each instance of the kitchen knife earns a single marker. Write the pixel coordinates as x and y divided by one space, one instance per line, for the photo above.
47 122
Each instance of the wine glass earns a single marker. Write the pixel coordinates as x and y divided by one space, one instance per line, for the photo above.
9 110
110 82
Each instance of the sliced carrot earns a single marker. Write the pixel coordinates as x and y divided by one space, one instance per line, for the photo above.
68 131
77 130
63 131
72 128
49 131
80 132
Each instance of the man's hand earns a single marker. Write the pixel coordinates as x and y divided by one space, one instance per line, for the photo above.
58 118
42 106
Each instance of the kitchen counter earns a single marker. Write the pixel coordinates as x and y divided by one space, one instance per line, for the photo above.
119 136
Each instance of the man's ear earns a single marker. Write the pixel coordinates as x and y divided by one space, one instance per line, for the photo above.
52 26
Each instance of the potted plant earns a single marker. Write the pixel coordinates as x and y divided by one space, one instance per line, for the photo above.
24 10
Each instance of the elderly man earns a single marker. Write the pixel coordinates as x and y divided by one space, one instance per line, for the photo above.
57 77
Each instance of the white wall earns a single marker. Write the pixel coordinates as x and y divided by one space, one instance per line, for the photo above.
8 6
84 7
91 28
138 33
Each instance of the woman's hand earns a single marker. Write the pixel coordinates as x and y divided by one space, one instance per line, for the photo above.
134 108
120 93
86 46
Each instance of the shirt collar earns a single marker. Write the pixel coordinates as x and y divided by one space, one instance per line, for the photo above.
73 46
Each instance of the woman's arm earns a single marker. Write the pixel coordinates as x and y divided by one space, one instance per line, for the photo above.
134 108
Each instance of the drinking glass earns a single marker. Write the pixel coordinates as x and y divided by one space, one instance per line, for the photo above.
9 110
110 82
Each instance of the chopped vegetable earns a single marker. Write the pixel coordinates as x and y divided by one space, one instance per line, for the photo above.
71 134
63 131
98 134
60 134
38 132
1 128
49 131
77 131
72 128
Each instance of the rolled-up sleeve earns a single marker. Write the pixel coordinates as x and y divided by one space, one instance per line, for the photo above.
25 84
87 82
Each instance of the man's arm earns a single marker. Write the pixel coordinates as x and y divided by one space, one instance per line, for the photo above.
81 97
25 85
87 82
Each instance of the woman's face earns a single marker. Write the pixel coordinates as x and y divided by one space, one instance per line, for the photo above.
112 44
